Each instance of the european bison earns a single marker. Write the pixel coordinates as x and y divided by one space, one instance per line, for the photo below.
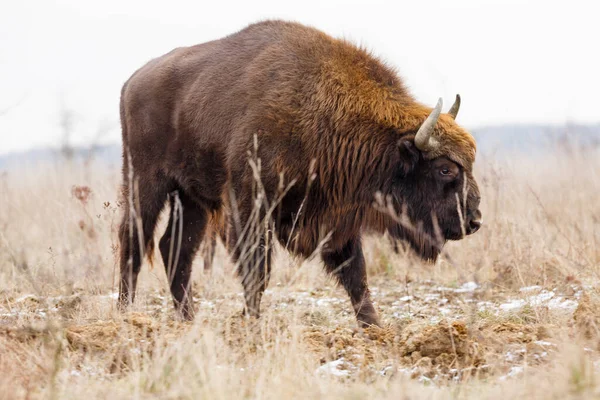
291 134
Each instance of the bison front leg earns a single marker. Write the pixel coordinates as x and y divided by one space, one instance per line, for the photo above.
348 266
254 269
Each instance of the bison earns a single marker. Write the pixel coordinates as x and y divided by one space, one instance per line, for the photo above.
284 133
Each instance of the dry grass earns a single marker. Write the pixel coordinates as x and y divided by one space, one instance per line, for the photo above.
510 312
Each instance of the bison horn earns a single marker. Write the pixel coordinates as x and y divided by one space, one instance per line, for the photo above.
455 107
423 139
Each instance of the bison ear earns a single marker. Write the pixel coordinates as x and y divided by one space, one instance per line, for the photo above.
409 155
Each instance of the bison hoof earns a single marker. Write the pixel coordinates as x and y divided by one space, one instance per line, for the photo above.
185 312
366 321
123 304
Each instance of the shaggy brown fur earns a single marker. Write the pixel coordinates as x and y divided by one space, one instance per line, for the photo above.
293 133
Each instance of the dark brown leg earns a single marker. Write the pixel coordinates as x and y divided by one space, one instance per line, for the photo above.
394 241
348 266
179 245
151 201
395 245
253 258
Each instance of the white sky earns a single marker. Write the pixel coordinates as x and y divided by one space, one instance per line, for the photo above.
511 61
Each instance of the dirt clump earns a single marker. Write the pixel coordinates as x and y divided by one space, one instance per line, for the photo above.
105 335
352 344
446 343
28 333
508 332
99 335
425 349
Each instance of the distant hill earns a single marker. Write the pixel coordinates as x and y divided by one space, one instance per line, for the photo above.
504 140
493 141
105 154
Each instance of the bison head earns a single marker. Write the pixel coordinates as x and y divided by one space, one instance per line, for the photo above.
434 185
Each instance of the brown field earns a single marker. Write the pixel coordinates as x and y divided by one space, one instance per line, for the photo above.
510 312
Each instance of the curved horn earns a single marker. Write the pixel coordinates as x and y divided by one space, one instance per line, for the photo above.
423 139
454 109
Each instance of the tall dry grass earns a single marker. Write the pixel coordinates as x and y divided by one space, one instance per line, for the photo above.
61 336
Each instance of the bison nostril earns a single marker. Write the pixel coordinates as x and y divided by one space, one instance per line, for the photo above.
474 225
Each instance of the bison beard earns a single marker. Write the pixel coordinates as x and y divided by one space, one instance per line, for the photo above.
280 132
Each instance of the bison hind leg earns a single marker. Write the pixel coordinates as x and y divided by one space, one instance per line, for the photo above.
143 206
178 246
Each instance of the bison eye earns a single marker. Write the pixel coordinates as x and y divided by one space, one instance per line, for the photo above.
445 171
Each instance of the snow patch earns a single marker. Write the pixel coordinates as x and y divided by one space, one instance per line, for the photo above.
514 372
334 368
533 288
467 287
544 298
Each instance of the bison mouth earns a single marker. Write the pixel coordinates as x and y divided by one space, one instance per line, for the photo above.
456 233
451 234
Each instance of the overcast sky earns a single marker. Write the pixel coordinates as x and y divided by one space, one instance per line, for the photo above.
511 61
